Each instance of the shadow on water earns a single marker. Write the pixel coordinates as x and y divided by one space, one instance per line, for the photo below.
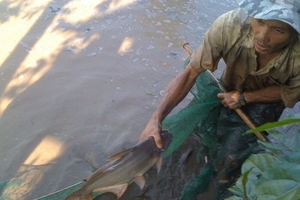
23 71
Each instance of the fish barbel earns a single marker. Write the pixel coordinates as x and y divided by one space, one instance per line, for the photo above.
124 167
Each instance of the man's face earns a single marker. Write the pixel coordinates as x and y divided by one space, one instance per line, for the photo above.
270 36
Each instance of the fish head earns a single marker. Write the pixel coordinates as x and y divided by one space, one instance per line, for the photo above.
166 139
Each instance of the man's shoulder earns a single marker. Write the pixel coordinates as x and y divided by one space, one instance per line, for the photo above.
231 26
295 55
296 47
236 17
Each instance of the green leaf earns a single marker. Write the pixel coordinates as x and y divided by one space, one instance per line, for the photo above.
237 190
281 144
272 177
281 182
292 157
242 185
252 168
259 163
244 182
275 180
292 119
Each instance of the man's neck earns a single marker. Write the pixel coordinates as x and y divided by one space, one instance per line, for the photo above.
263 59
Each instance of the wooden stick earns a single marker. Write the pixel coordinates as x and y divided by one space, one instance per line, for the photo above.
243 115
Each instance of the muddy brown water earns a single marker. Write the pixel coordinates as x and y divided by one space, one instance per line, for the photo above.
79 81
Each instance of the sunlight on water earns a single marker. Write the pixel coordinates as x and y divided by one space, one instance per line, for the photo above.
126 45
29 174
118 4
17 26
54 40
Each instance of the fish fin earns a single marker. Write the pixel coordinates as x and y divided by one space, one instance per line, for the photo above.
122 190
116 189
140 181
158 165
79 194
119 155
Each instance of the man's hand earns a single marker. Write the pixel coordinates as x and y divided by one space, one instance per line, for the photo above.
230 99
176 90
153 128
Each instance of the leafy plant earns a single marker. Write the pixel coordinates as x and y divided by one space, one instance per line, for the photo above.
275 173
292 119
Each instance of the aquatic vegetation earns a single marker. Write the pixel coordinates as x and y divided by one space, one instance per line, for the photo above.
274 173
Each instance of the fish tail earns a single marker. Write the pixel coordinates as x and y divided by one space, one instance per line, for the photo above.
80 195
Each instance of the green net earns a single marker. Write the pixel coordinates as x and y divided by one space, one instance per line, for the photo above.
221 131
199 117
198 114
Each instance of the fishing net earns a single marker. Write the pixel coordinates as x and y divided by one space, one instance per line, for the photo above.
221 131
199 114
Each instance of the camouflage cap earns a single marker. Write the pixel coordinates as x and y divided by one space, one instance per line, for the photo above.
287 11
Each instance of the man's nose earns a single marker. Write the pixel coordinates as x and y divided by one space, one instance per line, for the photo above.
263 35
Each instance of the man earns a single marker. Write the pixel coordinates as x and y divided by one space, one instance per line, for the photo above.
260 46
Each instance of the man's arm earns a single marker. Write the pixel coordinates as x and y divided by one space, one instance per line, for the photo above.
174 93
265 95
